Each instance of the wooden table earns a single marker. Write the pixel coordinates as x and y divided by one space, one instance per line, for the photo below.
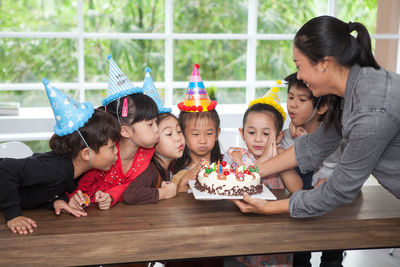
182 228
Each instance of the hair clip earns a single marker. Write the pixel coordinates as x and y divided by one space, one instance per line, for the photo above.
125 108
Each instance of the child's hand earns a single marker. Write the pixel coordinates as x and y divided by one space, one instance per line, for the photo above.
296 131
77 201
320 181
103 199
236 154
21 225
167 190
62 206
191 174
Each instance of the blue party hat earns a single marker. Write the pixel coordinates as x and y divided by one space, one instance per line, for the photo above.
69 114
150 90
118 84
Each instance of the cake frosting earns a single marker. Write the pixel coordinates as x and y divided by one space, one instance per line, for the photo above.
234 180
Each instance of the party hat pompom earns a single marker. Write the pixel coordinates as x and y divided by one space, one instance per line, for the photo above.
150 89
69 114
196 98
271 98
118 84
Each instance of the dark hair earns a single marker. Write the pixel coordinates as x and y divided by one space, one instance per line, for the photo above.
268 109
216 155
332 115
97 131
140 108
328 36
156 158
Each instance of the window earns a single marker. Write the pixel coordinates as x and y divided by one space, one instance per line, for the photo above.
242 46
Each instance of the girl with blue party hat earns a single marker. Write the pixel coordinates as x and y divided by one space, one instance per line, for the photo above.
84 138
136 114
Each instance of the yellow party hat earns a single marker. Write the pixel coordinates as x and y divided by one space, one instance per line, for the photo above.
271 98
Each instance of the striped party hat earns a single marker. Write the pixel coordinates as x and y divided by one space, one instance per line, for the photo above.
271 98
118 84
150 89
196 98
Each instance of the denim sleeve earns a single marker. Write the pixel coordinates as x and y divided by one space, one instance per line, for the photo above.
312 149
369 133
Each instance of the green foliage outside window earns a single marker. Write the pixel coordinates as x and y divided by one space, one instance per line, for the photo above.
27 60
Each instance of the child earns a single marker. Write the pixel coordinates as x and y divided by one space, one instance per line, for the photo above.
136 113
262 132
200 125
84 138
153 184
306 113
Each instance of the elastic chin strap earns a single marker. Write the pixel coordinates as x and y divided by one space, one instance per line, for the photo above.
119 120
133 143
162 156
90 151
313 113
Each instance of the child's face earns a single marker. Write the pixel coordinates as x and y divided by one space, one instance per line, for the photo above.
172 141
258 128
106 156
299 105
201 135
145 133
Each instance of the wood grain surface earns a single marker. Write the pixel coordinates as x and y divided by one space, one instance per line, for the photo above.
183 227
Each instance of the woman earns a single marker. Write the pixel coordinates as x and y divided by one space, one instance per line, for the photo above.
331 61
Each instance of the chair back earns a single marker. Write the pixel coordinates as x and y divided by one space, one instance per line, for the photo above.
15 149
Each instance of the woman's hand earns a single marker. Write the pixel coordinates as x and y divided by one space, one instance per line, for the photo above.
261 206
21 225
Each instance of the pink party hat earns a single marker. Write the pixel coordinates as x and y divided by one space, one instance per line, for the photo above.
196 98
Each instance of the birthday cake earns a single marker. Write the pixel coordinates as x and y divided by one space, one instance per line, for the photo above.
234 180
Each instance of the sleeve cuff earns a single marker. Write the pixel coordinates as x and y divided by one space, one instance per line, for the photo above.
12 212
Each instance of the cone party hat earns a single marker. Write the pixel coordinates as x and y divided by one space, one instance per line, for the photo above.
196 98
118 84
70 115
150 89
271 98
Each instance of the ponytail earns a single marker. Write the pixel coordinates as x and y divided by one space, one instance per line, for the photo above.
366 58
328 36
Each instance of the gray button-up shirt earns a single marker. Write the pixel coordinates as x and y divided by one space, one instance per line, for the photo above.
371 130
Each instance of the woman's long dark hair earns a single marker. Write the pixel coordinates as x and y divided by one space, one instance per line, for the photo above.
185 160
328 36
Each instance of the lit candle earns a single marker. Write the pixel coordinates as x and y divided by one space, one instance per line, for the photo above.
235 166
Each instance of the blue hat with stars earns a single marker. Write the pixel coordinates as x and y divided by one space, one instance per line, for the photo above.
70 115
118 84
150 89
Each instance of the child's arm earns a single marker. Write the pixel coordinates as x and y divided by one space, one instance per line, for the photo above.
62 206
181 178
144 188
21 225
103 199
76 201
291 180
234 154
167 190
